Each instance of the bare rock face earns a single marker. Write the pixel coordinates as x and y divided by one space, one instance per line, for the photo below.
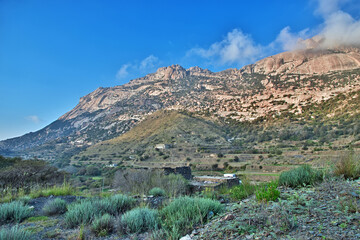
308 61
173 72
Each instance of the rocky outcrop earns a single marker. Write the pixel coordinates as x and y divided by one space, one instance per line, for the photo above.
308 61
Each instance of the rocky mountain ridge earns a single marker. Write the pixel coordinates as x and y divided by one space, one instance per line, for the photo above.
286 82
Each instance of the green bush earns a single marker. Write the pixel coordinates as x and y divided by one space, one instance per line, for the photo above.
139 220
157 192
183 213
86 210
103 225
14 212
53 207
242 191
268 192
79 213
301 176
15 233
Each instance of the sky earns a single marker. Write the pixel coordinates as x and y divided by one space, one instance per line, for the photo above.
54 52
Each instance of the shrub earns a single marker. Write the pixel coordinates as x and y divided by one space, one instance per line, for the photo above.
53 207
157 192
301 176
242 191
268 192
183 213
103 225
86 210
14 212
79 213
140 181
14 233
139 220
348 167
116 204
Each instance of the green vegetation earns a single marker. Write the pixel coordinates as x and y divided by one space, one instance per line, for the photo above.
139 181
14 212
184 213
15 233
103 225
301 176
268 192
37 219
56 206
63 190
86 210
244 190
348 166
16 173
157 192
139 220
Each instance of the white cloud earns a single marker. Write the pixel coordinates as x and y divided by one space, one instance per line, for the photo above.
123 71
149 62
145 66
340 29
291 41
236 47
33 118
327 7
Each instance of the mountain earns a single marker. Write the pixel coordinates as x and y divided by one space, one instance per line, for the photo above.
287 83
164 129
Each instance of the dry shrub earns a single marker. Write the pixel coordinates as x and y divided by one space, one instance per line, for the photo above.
348 166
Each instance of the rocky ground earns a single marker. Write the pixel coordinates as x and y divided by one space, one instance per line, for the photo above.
327 211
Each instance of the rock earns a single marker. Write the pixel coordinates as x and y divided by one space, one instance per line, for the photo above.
228 217
187 237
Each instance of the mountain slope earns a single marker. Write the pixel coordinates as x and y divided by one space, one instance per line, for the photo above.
172 128
285 83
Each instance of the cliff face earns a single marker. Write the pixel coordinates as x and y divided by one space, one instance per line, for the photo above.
308 62
286 82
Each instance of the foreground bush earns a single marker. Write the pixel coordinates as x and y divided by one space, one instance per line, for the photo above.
157 192
348 167
14 212
181 215
268 192
53 207
242 191
79 213
15 233
301 176
139 220
85 211
103 225
118 203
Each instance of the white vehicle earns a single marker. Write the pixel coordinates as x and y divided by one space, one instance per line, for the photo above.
229 175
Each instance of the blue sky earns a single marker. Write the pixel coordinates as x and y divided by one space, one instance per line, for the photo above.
54 52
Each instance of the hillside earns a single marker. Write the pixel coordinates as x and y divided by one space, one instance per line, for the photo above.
176 134
285 84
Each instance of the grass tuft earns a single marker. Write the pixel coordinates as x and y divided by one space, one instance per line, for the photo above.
103 225
300 177
348 167
139 220
15 233
56 206
157 192
181 215
14 212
